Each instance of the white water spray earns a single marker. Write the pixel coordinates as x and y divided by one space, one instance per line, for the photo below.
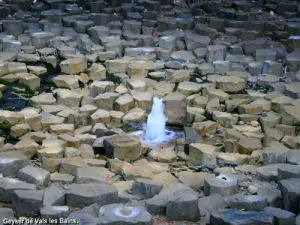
156 123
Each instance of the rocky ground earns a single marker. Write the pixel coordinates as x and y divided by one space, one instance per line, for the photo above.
77 76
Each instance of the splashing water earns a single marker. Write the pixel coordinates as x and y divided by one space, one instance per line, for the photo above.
155 132
156 123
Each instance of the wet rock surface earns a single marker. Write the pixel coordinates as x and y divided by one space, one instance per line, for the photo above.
77 83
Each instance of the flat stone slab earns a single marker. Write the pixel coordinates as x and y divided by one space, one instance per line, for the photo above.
120 214
238 217
80 195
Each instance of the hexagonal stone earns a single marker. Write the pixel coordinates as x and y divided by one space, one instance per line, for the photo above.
222 184
91 174
121 214
124 103
12 162
34 175
231 84
146 188
202 154
249 202
125 148
234 216
54 212
80 195
183 205
73 66
249 144
269 172
282 217
290 193
188 88
55 195
27 203
9 185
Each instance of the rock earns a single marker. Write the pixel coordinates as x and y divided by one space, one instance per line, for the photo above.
80 195
66 81
223 185
209 204
292 90
248 145
117 65
156 205
29 80
12 162
231 159
202 154
183 205
194 41
166 155
180 76
249 202
55 212
269 172
83 217
69 98
281 216
231 84
225 119
175 108
124 103
215 53
9 185
188 88
273 155
73 66
273 195
61 178
146 188
86 175
40 39
34 175
97 72
290 194
234 216
122 147
101 116
54 195
194 180
70 165
118 214
27 203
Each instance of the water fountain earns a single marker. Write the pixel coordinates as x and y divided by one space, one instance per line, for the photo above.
155 132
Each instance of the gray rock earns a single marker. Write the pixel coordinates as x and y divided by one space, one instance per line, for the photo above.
83 218
288 171
265 54
9 185
146 188
269 172
272 155
61 178
6 214
238 217
215 53
27 203
80 195
293 61
121 214
34 175
92 175
11 163
194 41
249 202
54 212
183 205
223 185
40 39
290 194
54 195
157 205
273 195
209 204
294 157
281 217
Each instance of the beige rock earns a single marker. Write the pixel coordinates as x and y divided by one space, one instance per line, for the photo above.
194 180
212 93
66 81
124 103
37 70
204 128
62 128
202 154
19 130
116 118
70 141
136 70
88 109
8 118
135 115
231 84
200 101
106 100
180 75
272 135
100 87
188 88
248 145
101 116
175 108
163 154
226 120
164 178
43 99
117 65
121 89
51 152
164 87
213 105
28 147
231 159
50 164
97 72
231 145
73 66
290 115
69 98
31 81
126 148
250 109
4 68
70 165
143 100
137 84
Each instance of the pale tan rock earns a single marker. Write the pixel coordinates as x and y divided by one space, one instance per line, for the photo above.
202 154
62 128
135 115
66 81
124 103
73 66
19 130
163 154
101 116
